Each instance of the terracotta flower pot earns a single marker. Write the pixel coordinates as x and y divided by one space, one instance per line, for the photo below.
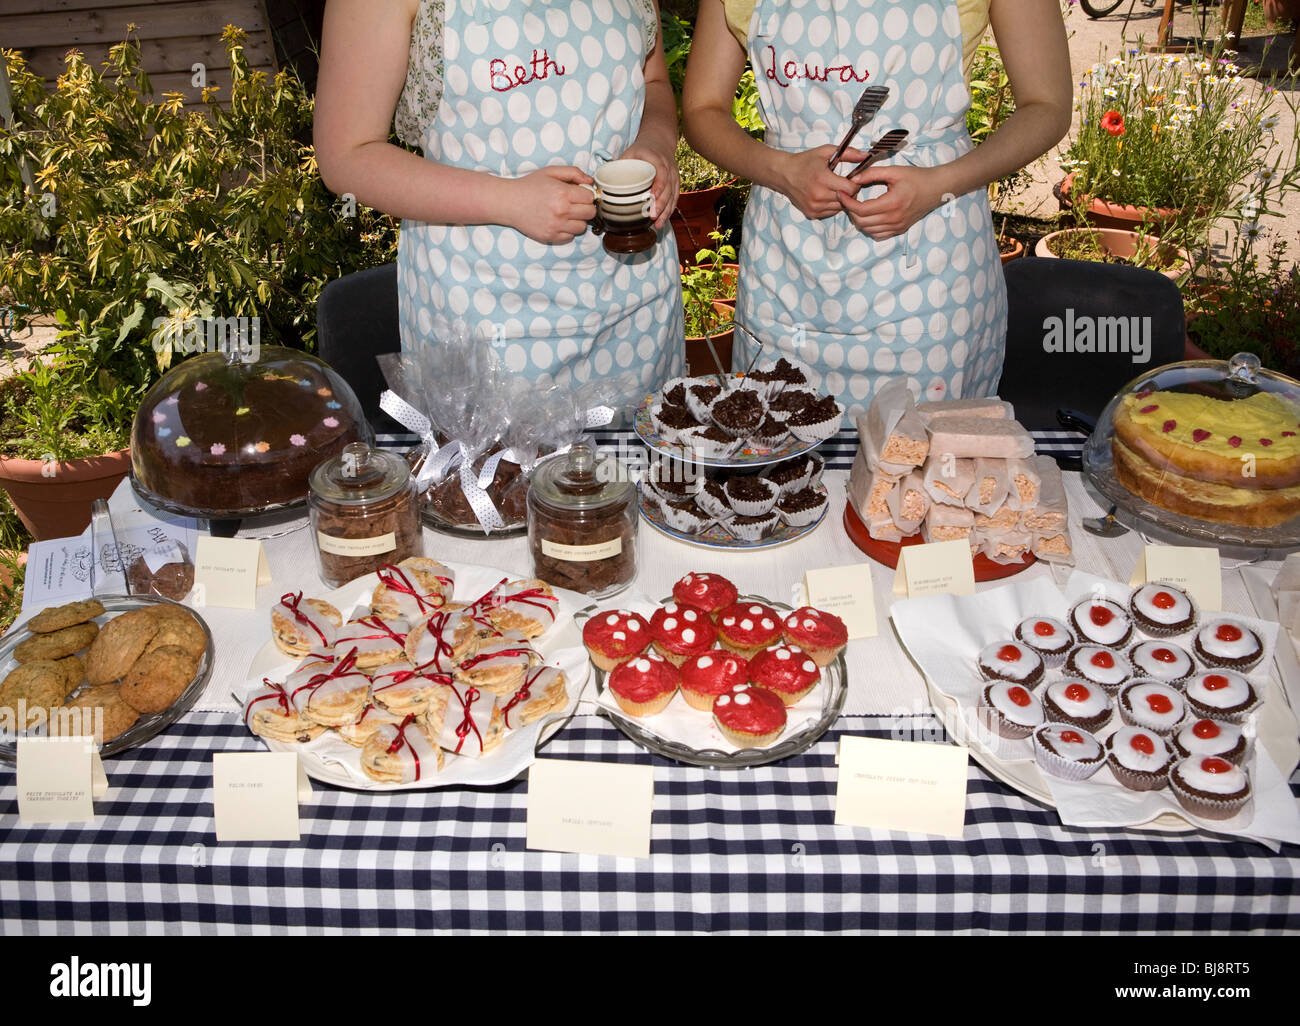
1116 243
1016 251
1105 214
53 498
699 360
730 277
695 219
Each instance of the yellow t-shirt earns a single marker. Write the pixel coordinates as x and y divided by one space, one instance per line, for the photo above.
974 23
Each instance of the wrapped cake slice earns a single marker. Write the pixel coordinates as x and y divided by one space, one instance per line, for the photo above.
869 490
992 483
993 409
1004 546
892 432
1025 484
908 503
980 436
948 479
1049 516
948 523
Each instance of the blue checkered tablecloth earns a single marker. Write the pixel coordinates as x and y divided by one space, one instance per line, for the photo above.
750 851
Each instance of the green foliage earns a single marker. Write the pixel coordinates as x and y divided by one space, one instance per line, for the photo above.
141 209
708 280
992 102
14 540
696 172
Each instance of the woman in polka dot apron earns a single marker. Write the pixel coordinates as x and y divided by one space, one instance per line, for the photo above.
902 277
515 103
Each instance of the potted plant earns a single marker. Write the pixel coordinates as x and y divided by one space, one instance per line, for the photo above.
1115 245
125 216
1175 142
708 317
696 218
718 264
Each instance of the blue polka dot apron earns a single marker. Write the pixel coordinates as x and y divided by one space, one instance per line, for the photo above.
931 304
529 84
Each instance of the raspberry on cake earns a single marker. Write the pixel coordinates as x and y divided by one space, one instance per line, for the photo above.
1228 644
1008 660
714 673
821 635
784 670
680 632
748 627
1100 621
645 685
614 636
708 592
749 717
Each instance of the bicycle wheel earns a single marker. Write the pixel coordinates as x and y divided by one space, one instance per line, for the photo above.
1099 8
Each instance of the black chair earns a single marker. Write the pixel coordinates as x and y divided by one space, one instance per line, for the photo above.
356 320
1078 330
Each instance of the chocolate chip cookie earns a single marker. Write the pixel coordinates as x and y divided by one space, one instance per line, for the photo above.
42 682
157 678
56 644
118 715
119 644
59 617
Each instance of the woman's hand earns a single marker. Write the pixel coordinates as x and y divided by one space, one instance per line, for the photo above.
912 193
668 181
816 190
552 204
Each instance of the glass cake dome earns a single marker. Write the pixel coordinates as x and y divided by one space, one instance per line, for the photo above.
1206 451
219 437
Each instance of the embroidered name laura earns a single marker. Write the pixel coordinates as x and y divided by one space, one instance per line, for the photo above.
792 70
505 78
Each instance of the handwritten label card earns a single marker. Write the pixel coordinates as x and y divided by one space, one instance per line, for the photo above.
228 572
901 785
255 795
1194 569
938 568
593 808
58 779
847 592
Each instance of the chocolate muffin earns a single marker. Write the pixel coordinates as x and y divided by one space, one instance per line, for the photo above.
739 412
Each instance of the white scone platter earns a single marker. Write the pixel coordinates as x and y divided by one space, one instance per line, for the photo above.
494 746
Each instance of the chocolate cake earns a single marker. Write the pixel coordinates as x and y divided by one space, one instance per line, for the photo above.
740 412
218 436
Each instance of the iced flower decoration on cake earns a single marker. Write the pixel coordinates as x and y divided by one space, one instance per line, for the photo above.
262 446
182 442
331 422
297 440
218 449
158 417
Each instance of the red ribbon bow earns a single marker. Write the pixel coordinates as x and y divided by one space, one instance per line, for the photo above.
291 602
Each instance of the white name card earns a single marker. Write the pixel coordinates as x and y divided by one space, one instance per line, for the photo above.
58 779
593 808
846 591
228 572
910 786
937 568
255 795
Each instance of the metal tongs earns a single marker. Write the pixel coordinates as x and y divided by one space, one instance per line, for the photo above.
890 143
869 103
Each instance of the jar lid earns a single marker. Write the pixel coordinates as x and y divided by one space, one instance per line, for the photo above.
580 479
359 474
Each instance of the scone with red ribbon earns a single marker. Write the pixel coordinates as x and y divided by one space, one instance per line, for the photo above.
438 644
333 697
370 719
271 714
614 636
400 754
498 664
544 690
747 627
706 676
820 634
377 641
528 606
710 593
301 626
413 589
400 689
645 685
749 717
680 632
464 720
786 671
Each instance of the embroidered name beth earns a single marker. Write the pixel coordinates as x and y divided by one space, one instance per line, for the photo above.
505 77
809 69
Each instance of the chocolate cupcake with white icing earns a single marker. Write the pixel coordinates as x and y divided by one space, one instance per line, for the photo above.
1077 703
1012 662
1221 695
1210 787
1139 758
1162 610
1153 705
1228 644
1047 636
1098 665
1101 621
1070 753
1210 737
1161 660
1010 709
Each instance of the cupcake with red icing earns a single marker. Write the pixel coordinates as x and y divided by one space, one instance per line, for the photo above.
645 685
1210 737
786 671
1210 787
1077 703
680 632
1101 621
1011 661
1070 753
1161 660
1101 666
749 627
1162 610
1153 705
821 635
710 674
614 636
749 717
1010 709
1047 636
1139 758
710 593
1221 695
1228 644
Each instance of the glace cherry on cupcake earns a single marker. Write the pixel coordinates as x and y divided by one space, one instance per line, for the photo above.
1153 705
1010 709
1047 636
1138 758
1210 737
1101 621
1227 644
1162 610
1101 666
1070 753
1221 695
1210 787
1077 703
1161 660
1011 661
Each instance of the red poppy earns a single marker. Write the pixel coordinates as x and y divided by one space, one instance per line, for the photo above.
1113 122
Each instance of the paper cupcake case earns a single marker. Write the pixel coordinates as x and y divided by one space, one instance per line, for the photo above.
944 635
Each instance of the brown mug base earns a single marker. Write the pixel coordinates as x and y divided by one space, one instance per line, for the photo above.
636 241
